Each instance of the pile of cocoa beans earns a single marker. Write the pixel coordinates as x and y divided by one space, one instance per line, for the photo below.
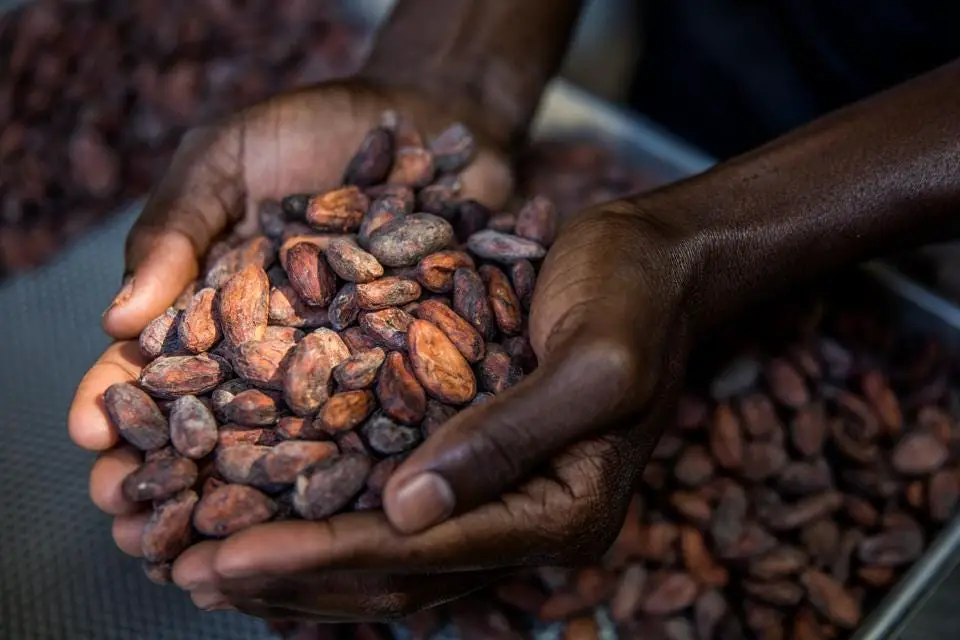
95 95
291 381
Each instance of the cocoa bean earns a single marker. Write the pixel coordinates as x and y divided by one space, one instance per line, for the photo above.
796 515
709 609
413 166
161 336
860 511
223 394
754 541
780 593
781 562
698 561
261 363
727 525
883 401
438 365
284 462
440 198
243 305
381 472
358 341
669 593
384 209
350 442
521 352
328 486
461 333
337 210
537 221
804 478
386 437
352 263
692 507
435 271
471 217
436 416
175 376
830 599
944 492
496 371
786 384
159 479
252 407
344 411
387 327
809 429
470 301
231 435
918 454
524 277
762 460
159 573
235 463
373 159
255 252
399 392
344 310
289 310
894 548
283 334
307 374
694 467
386 292
821 540
502 222
760 419
193 427
360 370
199 329
309 274
453 148
136 416
504 248
305 235
296 428
403 242
232 508
167 533
503 301
876 576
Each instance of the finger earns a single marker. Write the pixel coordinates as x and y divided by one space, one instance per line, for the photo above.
585 386
106 481
194 569
210 600
201 193
87 422
128 533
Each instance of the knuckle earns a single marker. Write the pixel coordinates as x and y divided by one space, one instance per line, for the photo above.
394 606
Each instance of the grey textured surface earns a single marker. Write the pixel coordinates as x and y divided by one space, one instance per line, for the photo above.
61 577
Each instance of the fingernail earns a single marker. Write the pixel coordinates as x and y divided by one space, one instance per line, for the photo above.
422 502
125 293
219 606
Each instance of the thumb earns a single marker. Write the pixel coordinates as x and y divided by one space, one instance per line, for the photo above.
585 386
201 193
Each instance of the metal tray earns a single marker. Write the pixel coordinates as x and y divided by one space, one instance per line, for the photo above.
568 111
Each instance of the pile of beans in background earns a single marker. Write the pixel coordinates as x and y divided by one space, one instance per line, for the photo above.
95 95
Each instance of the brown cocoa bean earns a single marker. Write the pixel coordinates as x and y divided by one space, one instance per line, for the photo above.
161 336
694 467
917 454
338 210
384 209
781 562
198 328
436 416
283 334
136 416
524 278
289 310
168 533
297 428
503 222
471 217
806 626
821 540
804 478
399 392
352 263
698 561
731 511
521 353
793 516
193 427
309 274
883 401
860 511
830 599
344 309
435 271
371 164
944 492
351 442
306 236
709 609
439 365
628 597
224 393
386 437
405 132
759 417
876 576
308 372
230 509
893 548
243 305
175 376
387 327
358 341
360 370
440 198
537 221
786 383
504 248
231 435
159 479
284 462
461 333
255 252
693 507
403 242
762 460
159 573
344 411
387 292
496 371
754 541
235 463
503 301
859 422
780 593
381 472
470 301
809 429
253 408
453 148
413 166
669 593
261 363
328 486
726 439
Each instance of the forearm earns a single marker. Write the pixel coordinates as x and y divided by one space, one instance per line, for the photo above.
491 58
874 179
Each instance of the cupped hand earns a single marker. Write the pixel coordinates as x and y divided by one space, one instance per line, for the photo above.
542 474
295 143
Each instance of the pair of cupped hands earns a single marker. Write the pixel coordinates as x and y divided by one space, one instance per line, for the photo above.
540 475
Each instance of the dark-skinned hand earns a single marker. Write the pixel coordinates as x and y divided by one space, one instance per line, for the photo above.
541 474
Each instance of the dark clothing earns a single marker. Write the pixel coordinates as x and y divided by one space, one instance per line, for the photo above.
728 75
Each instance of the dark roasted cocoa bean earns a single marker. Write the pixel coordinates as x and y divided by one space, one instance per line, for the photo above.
496 372
453 148
436 416
471 218
470 301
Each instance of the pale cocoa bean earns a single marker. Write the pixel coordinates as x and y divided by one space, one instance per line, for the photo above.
504 248
175 376
503 300
193 427
136 416
400 394
261 363
435 271
405 241
371 164
537 221
386 437
230 509
167 533
338 210
345 411
359 371
252 407
386 292
309 274
308 372
387 327
328 486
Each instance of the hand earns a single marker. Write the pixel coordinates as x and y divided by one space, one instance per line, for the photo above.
540 475
299 142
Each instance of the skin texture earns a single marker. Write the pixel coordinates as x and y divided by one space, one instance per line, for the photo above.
625 291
